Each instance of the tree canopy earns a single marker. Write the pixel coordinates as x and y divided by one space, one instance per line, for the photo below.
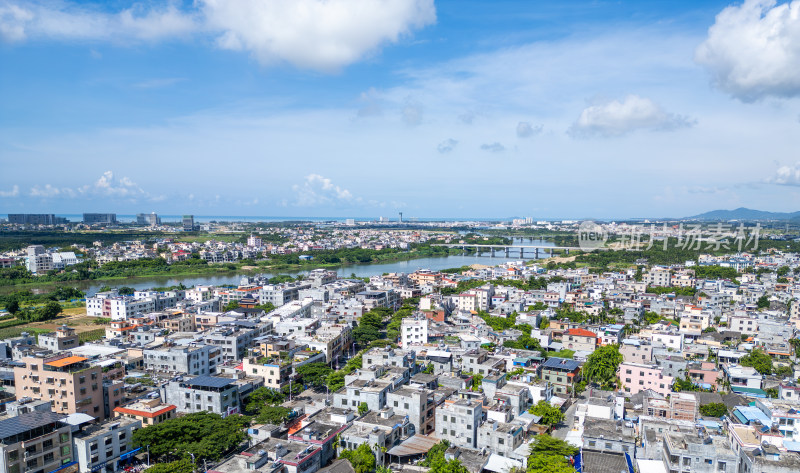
714 409
314 374
549 455
550 415
601 366
206 435
758 360
362 458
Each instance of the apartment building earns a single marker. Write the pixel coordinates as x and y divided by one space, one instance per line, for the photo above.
579 339
562 373
147 411
197 360
35 442
233 340
636 352
457 421
70 383
281 294
500 437
64 338
414 331
203 393
418 404
105 446
274 370
637 377
658 277
389 357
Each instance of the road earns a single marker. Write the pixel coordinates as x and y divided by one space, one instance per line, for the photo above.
563 428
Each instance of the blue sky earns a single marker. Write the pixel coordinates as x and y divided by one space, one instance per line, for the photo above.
370 107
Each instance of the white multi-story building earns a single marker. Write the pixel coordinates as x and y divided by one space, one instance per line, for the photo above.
414 331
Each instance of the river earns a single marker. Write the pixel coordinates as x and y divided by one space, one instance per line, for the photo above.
360 270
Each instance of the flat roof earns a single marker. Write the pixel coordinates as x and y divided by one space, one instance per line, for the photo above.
210 382
70 360
416 445
25 422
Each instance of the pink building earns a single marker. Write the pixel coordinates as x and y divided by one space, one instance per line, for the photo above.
637 377
705 373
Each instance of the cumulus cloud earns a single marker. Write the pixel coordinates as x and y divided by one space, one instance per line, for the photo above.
753 50
786 175
105 186
526 130
493 147
14 192
323 35
315 34
318 190
61 20
447 145
615 118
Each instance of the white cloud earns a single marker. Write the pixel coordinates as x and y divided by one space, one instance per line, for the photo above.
526 130
786 175
615 118
317 190
316 34
48 191
447 145
493 147
14 192
62 20
753 50
105 186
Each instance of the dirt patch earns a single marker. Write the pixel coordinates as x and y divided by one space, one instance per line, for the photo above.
81 323
557 260
249 268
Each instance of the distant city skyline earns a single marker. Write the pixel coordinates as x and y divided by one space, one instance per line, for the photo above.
445 109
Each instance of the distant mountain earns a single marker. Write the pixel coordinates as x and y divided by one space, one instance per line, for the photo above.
745 214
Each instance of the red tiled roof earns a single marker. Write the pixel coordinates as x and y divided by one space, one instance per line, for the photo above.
136 412
581 332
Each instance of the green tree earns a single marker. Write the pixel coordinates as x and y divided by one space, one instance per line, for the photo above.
548 455
601 366
362 459
550 415
758 360
365 334
231 306
362 408
314 374
179 466
126 291
714 409
544 323
206 435
12 306
763 302
275 415
263 397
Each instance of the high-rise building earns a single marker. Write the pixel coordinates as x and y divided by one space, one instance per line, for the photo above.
36 219
151 219
68 382
94 218
188 223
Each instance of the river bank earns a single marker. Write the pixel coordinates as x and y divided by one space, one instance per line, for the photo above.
405 262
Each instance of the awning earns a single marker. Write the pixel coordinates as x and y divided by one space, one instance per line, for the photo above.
415 445
66 361
125 456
